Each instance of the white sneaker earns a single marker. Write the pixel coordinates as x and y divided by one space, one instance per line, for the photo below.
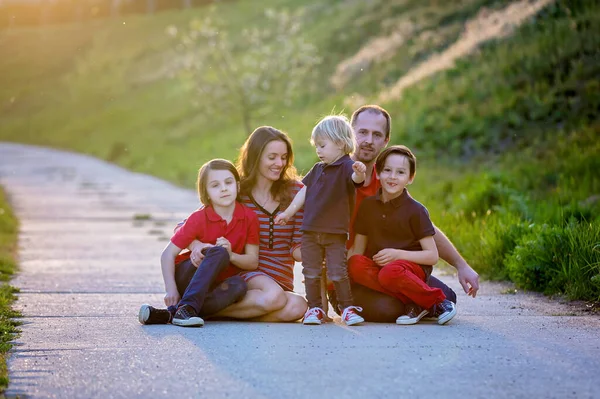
350 317
412 315
313 316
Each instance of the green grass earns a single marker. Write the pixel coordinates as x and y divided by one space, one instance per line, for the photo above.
507 140
8 244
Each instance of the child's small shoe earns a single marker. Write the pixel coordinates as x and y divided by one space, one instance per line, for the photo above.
151 315
444 311
313 316
186 317
350 317
413 314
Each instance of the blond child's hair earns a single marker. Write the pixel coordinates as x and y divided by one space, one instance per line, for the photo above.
336 128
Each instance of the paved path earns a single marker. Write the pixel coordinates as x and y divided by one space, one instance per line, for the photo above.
87 265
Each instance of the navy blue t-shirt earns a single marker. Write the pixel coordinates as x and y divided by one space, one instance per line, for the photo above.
330 194
398 224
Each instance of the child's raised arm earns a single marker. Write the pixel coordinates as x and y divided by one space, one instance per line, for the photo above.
291 210
427 256
167 264
360 171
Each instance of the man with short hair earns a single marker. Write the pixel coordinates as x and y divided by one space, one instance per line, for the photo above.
372 127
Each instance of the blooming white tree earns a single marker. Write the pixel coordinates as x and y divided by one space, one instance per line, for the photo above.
262 66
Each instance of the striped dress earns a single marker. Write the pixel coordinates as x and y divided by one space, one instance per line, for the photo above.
277 243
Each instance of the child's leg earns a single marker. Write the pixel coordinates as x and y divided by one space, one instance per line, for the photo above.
337 270
365 271
196 288
228 292
407 278
312 263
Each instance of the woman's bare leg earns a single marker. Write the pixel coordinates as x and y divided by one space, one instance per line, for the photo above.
264 296
293 310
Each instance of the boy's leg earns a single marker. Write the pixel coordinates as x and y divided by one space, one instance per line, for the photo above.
215 261
226 293
365 271
407 278
312 263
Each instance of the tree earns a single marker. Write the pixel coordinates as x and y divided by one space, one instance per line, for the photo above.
262 66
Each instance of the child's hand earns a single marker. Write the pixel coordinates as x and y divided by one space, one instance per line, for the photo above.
172 298
224 242
282 218
385 256
359 168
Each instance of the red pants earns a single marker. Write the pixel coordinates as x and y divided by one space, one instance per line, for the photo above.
400 279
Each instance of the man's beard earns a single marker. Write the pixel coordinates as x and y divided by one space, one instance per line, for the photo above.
368 156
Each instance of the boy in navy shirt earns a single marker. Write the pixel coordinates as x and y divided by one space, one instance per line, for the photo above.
394 251
329 193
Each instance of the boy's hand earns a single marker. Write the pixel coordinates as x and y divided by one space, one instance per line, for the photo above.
282 218
385 256
224 242
172 298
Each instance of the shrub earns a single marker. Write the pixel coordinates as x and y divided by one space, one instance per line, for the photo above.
559 259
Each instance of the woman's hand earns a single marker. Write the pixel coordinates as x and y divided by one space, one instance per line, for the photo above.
224 242
197 248
172 298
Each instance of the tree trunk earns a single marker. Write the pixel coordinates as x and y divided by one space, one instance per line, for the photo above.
187 3
150 6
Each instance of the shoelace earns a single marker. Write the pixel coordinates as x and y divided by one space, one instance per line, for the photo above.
351 310
314 312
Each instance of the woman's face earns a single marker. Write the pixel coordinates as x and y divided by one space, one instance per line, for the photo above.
273 160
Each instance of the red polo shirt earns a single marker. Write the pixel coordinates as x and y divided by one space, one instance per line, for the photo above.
362 193
206 225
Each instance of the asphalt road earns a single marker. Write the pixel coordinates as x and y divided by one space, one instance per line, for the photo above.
89 246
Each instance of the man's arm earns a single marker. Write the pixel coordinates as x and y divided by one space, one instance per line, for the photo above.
467 277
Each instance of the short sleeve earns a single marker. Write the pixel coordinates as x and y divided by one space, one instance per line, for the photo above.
192 229
252 236
421 224
310 176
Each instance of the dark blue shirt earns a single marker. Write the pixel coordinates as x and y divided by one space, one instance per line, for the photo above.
398 224
330 194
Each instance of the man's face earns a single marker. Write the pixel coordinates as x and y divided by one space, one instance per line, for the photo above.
369 129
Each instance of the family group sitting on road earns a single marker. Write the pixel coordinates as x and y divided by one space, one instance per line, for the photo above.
352 211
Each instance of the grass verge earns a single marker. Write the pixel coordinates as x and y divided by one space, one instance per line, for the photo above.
8 265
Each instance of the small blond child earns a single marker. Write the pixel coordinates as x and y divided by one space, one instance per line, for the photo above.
328 197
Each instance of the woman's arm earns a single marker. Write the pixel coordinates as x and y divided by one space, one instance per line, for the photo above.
427 256
167 264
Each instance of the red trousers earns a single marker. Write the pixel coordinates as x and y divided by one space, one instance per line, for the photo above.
400 279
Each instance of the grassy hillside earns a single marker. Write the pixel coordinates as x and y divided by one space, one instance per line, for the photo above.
507 140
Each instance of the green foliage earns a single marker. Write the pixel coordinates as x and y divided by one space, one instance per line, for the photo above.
266 64
8 241
559 259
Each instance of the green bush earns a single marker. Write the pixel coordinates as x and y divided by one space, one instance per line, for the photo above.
559 259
